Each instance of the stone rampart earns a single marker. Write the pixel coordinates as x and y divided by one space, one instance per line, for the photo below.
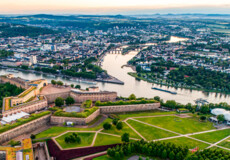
29 107
78 121
51 97
24 129
129 108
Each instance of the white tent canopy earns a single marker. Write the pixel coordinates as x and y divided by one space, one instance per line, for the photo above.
219 111
13 117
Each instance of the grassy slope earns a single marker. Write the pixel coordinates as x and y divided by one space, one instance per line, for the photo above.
148 113
103 139
225 143
86 140
55 131
125 129
183 141
150 133
213 137
180 125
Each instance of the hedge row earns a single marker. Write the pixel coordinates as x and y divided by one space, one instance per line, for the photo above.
143 101
83 114
23 121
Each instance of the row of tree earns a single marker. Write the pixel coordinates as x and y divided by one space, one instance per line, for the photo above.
7 90
152 149
59 101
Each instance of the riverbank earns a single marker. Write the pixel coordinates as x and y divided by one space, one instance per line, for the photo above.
110 78
168 85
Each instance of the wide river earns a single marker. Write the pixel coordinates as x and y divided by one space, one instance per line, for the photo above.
113 62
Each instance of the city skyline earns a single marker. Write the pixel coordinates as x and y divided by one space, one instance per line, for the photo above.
115 7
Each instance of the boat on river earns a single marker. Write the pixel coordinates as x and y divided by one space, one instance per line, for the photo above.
164 90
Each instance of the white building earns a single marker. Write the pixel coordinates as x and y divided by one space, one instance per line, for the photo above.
33 59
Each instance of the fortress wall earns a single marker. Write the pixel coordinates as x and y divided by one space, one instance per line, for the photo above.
51 97
28 107
78 121
97 96
129 108
24 129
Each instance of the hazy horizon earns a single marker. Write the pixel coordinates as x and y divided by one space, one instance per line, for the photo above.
114 7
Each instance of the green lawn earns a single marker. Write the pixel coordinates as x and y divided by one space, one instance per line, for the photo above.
218 148
86 140
105 157
103 139
125 129
55 131
149 132
138 114
225 143
180 125
213 137
184 141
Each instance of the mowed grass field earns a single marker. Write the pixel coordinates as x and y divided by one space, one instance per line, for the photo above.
225 143
123 116
184 141
86 140
55 131
213 137
103 139
125 129
149 132
179 125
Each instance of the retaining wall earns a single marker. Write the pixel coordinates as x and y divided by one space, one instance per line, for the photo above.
79 121
51 97
24 129
129 108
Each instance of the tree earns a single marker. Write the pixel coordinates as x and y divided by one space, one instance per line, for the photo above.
171 155
107 126
157 98
138 68
115 120
125 137
204 109
32 136
72 85
53 82
60 83
78 87
132 97
164 154
119 125
24 67
220 118
59 101
69 100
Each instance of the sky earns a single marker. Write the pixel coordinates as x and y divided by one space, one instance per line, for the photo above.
113 6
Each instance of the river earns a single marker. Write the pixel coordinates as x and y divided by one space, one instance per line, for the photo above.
113 62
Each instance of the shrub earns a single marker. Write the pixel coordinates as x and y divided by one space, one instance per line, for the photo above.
14 143
203 118
132 97
87 104
107 126
83 114
143 101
